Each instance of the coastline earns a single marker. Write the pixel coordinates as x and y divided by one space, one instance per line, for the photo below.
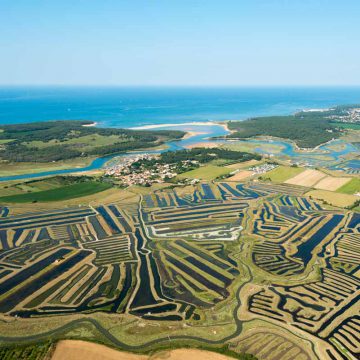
90 125
157 126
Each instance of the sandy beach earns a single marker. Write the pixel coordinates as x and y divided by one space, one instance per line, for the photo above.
195 123
92 124
190 134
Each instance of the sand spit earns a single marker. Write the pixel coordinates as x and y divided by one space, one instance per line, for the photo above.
195 123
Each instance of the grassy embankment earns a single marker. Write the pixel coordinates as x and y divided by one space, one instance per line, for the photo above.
59 193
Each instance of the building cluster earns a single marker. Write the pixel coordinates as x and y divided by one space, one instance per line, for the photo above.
351 115
136 170
262 169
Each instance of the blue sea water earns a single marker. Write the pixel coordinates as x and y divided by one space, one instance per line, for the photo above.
134 107
129 107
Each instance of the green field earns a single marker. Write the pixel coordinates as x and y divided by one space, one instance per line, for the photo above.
282 173
351 187
58 194
207 172
85 142
23 352
4 141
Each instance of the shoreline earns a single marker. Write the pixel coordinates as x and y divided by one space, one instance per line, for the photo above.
90 125
195 123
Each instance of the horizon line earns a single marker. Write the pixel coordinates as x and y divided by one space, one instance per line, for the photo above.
186 85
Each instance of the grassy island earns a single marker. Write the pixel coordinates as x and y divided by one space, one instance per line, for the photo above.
62 140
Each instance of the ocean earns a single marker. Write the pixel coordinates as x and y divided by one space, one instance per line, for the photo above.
132 107
152 107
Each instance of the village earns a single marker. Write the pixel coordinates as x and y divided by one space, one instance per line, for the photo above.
350 115
145 170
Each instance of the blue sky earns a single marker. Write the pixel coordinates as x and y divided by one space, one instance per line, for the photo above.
180 42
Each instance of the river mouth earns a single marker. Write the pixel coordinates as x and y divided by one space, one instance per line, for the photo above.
203 133
198 133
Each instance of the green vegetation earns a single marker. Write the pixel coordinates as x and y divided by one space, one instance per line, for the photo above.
352 187
61 140
35 185
306 129
204 155
282 173
60 193
252 146
343 125
207 172
25 352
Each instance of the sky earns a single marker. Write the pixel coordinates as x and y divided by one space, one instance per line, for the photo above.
180 42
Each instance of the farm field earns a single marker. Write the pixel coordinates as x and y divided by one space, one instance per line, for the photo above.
352 187
206 172
333 198
307 178
283 173
240 175
58 193
243 165
332 183
75 349
231 266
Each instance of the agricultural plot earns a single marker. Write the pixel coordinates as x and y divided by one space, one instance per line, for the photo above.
292 246
332 183
283 173
206 172
333 198
240 175
306 178
283 226
352 187
198 263
89 259
278 188
266 345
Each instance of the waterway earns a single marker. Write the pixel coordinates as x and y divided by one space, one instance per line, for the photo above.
201 134
327 155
